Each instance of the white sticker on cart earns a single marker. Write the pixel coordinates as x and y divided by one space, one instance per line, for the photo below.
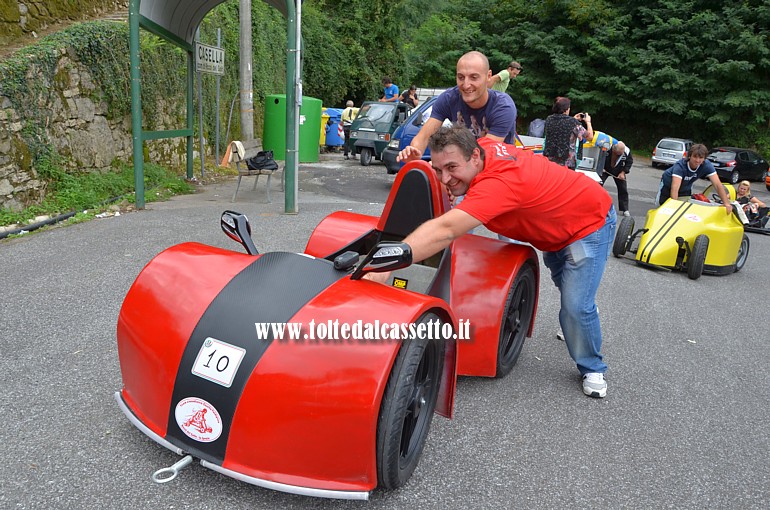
218 361
198 419
666 211
693 217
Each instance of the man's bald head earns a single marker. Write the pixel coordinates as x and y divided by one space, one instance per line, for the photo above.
619 148
477 58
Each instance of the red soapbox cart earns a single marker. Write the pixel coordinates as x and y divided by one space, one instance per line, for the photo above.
207 376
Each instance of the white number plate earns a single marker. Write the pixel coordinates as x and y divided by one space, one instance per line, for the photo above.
218 361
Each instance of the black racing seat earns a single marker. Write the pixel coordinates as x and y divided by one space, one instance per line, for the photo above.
411 206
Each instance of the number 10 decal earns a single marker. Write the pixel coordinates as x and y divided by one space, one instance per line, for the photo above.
218 361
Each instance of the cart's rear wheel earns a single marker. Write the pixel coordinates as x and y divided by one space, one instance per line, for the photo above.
743 253
697 257
366 156
623 236
407 406
517 318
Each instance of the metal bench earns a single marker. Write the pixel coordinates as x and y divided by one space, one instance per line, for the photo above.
250 149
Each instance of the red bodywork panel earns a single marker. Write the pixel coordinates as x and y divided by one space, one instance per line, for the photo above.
158 316
483 270
316 426
308 415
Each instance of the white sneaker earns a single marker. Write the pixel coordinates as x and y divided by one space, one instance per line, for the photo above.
625 213
594 385
560 335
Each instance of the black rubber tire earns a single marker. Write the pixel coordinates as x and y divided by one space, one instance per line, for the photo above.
743 253
517 318
366 156
697 257
623 236
407 407
735 177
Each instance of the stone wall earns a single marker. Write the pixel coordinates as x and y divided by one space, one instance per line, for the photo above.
75 122
18 17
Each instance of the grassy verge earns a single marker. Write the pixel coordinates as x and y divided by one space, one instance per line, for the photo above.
93 191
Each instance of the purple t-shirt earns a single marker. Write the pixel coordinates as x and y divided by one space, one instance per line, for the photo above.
497 117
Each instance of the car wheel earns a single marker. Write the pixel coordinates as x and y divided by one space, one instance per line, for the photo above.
366 156
654 165
407 407
735 177
517 318
697 257
743 253
623 236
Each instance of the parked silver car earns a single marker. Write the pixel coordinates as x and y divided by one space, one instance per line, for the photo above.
669 151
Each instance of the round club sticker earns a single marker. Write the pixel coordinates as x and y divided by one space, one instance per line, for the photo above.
693 217
198 419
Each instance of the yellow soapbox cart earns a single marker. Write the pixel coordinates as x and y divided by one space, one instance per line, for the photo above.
693 236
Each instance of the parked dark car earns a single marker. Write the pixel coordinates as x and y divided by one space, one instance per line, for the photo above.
733 164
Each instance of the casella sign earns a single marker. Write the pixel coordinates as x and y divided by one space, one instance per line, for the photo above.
209 59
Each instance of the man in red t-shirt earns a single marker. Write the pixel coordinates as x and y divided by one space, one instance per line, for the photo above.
526 197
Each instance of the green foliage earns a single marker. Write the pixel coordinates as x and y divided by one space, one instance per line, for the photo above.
689 68
93 190
437 44
268 66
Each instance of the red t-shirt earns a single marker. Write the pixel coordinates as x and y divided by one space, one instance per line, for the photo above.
526 197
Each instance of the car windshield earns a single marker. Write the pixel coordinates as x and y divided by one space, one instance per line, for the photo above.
377 112
671 145
722 156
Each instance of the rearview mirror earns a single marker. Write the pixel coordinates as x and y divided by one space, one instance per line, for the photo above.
237 228
386 256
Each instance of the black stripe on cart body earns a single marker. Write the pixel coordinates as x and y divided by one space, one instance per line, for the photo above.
272 289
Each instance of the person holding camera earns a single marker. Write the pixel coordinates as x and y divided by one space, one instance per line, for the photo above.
564 133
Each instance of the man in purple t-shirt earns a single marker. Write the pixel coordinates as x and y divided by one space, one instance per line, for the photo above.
484 111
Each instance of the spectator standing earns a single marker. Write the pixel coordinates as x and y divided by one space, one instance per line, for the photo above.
501 80
618 166
348 114
391 91
410 97
563 133
487 113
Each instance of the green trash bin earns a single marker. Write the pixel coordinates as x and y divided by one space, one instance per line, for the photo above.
274 132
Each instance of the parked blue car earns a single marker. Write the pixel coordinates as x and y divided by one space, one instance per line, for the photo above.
403 135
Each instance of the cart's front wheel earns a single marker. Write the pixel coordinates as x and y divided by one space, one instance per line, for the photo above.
623 236
407 406
697 257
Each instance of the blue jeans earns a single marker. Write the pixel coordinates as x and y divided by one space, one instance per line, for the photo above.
577 271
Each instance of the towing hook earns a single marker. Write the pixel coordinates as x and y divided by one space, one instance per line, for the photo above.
169 473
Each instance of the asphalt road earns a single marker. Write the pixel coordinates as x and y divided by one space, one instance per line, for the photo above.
684 424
